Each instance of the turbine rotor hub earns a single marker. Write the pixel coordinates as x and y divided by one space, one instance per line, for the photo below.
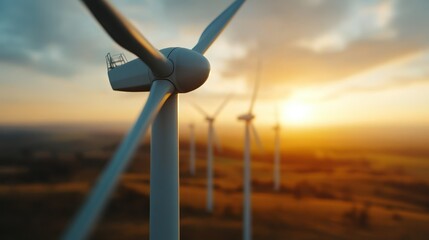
246 117
190 69
210 119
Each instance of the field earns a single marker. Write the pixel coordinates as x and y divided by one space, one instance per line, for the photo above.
45 176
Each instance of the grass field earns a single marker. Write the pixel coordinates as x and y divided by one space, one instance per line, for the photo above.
324 195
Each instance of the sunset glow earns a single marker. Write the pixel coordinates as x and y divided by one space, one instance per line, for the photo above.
296 113
340 57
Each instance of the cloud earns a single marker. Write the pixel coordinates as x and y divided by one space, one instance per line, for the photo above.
61 37
370 34
395 83
55 37
365 20
407 71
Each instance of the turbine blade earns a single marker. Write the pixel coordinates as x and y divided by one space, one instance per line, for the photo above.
222 106
256 88
200 110
255 134
91 210
216 26
127 36
216 140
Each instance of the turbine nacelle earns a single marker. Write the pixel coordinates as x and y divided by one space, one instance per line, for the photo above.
190 71
210 119
246 117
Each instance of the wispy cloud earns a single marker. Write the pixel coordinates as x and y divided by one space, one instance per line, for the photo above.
412 69
347 38
366 20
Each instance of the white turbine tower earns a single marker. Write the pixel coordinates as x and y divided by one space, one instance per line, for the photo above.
248 130
165 74
277 129
192 149
211 138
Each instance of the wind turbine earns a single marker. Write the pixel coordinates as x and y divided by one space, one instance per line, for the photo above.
192 149
248 130
277 129
211 137
165 74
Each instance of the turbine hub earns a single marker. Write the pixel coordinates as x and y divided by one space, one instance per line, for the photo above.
191 69
246 117
210 119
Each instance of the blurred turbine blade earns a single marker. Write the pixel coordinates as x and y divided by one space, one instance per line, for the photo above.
127 36
222 105
217 141
256 88
255 134
91 210
216 26
200 110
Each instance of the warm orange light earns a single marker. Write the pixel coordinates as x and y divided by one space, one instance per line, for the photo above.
296 113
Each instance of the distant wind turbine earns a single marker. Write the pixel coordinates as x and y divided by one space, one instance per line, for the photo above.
192 149
248 130
277 129
211 137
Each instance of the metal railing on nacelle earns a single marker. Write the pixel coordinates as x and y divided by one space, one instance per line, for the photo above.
116 60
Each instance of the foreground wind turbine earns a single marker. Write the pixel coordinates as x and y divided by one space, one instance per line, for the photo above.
277 129
192 149
248 130
164 73
211 137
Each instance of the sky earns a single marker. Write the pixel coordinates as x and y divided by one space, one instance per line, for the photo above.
323 62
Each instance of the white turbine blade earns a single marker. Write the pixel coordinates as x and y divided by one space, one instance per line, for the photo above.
222 106
98 197
216 26
127 36
255 134
200 110
217 141
255 90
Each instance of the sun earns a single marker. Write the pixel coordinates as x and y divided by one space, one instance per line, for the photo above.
295 113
